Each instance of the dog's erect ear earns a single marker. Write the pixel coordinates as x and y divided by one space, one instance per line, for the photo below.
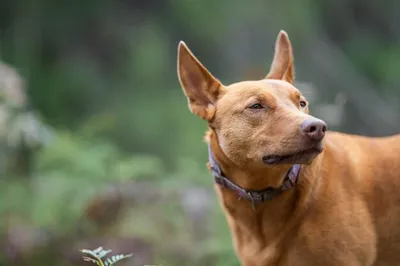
282 65
200 87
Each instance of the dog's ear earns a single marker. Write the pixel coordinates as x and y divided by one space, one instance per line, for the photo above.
282 65
200 87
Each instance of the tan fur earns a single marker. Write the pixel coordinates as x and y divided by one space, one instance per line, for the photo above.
345 207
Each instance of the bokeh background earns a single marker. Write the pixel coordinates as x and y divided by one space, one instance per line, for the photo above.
97 146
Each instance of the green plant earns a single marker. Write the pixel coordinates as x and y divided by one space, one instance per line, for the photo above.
97 256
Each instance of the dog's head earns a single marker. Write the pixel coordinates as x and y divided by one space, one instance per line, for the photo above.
264 122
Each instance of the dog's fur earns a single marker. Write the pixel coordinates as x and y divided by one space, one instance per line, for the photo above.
345 207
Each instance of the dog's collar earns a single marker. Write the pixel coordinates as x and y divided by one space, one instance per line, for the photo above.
254 196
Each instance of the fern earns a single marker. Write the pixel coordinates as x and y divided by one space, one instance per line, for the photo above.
97 256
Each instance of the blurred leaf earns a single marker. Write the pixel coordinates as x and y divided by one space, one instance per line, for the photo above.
139 166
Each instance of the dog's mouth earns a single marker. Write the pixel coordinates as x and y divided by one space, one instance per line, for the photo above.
301 157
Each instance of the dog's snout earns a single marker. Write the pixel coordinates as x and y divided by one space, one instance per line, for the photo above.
314 128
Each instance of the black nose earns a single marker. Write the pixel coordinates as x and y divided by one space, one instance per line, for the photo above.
314 128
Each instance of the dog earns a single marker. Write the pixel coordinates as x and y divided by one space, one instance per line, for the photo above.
292 192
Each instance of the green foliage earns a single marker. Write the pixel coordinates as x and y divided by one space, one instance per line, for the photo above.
97 256
74 165
78 157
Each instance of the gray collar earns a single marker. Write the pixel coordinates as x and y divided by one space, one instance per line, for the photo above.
254 196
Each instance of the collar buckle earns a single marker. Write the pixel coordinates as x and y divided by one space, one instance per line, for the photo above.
252 199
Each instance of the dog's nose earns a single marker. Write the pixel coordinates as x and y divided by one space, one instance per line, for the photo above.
314 128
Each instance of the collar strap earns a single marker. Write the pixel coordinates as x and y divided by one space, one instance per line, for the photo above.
254 196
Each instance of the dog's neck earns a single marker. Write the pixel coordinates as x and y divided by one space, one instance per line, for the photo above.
247 177
272 218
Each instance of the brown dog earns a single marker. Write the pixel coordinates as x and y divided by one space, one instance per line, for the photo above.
291 195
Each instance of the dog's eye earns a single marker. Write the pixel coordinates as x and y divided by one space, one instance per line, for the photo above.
256 106
303 104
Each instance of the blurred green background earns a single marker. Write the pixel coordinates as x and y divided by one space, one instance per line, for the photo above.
97 146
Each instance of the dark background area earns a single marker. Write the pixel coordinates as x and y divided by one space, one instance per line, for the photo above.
97 145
